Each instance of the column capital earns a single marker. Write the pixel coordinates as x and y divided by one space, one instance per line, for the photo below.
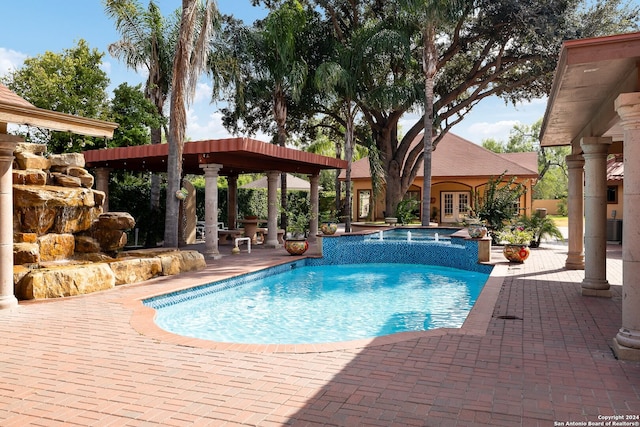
575 161
627 106
595 145
8 144
211 169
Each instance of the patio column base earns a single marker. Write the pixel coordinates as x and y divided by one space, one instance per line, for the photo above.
626 345
574 262
596 288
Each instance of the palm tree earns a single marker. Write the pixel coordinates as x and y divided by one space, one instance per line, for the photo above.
197 24
148 40
344 79
429 16
281 69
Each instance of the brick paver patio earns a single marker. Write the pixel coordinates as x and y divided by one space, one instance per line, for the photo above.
535 352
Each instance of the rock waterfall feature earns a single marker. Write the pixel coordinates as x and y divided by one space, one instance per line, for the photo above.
63 242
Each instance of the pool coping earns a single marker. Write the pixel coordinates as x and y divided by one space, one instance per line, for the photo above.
477 323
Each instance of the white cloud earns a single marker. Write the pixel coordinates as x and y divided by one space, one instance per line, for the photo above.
10 60
496 130
203 93
211 126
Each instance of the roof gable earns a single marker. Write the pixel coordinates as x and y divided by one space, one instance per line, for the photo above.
455 156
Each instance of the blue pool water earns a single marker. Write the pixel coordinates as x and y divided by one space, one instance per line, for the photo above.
328 303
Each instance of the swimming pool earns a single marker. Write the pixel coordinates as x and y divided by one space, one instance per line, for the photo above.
416 234
304 304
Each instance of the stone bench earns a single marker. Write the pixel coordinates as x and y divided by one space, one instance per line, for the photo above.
264 232
229 236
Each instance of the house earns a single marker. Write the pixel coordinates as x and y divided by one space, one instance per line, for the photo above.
594 107
460 169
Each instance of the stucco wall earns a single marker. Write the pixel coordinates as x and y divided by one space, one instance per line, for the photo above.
438 186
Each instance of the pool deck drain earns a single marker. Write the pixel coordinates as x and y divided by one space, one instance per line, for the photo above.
79 361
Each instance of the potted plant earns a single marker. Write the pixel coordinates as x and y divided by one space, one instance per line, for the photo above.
541 226
475 226
405 211
516 240
296 240
328 225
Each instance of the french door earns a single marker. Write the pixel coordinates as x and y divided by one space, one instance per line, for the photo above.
455 205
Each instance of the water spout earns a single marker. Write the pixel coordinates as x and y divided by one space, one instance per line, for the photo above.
408 236
437 237
380 235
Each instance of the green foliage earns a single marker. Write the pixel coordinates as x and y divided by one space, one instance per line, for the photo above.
552 168
71 82
540 227
406 210
499 203
515 235
134 114
130 193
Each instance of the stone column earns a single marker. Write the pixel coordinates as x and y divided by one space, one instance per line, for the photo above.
575 256
102 184
626 344
7 146
211 210
314 206
232 202
272 209
595 239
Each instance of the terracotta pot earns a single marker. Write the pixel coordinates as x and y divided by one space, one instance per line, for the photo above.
477 231
329 228
516 253
296 247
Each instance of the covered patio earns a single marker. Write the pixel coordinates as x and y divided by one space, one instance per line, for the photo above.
224 157
594 108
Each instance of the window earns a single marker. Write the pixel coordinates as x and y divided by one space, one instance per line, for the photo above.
612 194
364 203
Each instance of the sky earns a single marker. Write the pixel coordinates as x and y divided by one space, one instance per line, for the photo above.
33 27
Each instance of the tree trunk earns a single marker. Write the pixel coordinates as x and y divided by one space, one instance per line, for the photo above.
429 58
348 154
280 114
338 201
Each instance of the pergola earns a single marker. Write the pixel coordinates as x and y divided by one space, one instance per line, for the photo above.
15 110
594 107
227 157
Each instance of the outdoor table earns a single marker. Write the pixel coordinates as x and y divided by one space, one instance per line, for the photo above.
250 228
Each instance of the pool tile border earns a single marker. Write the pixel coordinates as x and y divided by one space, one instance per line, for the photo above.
477 322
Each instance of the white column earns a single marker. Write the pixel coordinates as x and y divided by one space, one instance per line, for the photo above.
102 184
575 255
272 209
7 297
211 210
314 195
626 343
595 237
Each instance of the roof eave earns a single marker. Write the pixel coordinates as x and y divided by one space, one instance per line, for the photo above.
33 116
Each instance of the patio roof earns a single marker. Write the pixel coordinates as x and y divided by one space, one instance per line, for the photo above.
16 110
590 75
237 155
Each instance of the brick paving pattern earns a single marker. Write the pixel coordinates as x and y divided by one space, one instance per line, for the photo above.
542 356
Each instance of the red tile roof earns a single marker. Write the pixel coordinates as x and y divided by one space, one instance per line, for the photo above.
457 157
615 168
237 155
9 97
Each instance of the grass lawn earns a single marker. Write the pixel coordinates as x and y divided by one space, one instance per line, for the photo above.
560 221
